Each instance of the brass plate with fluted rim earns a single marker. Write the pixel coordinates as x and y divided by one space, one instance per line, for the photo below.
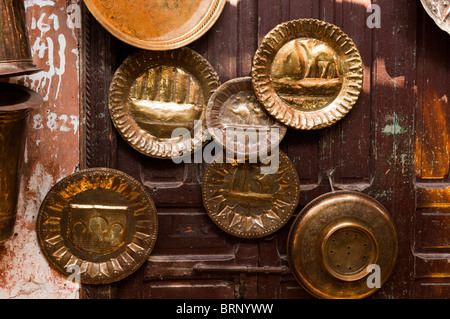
157 101
239 123
245 201
307 73
335 239
439 11
100 224
156 25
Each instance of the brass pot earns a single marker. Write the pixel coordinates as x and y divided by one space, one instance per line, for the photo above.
15 104
15 52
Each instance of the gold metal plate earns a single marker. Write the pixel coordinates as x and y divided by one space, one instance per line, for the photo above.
307 73
156 25
98 223
246 203
439 11
152 94
334 240
237 121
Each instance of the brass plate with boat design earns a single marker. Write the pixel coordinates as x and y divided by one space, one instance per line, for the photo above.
439 11
237 121
156 25
246 202
307 73
99 223
336 240
157 101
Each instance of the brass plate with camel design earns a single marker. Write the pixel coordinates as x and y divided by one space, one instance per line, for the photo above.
158 101
247 203
307 73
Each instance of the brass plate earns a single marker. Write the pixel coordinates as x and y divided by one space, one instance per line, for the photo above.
333 241
154 93
439 11
234 111
100 220
307 73
246 203
156 25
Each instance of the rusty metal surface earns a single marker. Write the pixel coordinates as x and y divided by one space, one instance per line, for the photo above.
439 11
157 25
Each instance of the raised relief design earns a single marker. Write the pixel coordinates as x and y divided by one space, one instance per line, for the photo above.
439 11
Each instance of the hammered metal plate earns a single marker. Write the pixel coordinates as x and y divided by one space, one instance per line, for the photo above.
157 101
334 240
245 202
156 25
99 221
239 123
307 73
439 11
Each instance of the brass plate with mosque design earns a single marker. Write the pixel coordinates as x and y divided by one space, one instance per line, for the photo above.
247 203
307 73
439 11
157 101
99 223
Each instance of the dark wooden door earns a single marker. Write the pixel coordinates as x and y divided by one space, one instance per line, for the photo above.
394 146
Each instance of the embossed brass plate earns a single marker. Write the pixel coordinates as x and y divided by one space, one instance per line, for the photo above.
334 240
152 94
99 221
307 73
237 121
156 25
439 11
246 203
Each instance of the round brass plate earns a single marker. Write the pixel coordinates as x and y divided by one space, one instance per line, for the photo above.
98 223
439 11
335 239
247 202
157 101
156 25
233 111
307 73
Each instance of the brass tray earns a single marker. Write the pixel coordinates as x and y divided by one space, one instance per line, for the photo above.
307 73
335 239
234 111
245 202
157 101
98 223
156 25
439 11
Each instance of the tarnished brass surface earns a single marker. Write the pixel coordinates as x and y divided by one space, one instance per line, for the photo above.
234 108
307 73
15 52
100 221
439 11
333 241
246 203
156 25
15 104
154 93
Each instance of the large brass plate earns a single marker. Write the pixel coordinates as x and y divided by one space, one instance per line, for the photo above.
99 223
237 121
157 101
439 11
245 202
156 25
307 73
335 239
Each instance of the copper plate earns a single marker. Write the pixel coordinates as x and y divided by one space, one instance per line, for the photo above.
307 73
246 203
156 25
237 121
100 220
439 11
333 241
152 94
